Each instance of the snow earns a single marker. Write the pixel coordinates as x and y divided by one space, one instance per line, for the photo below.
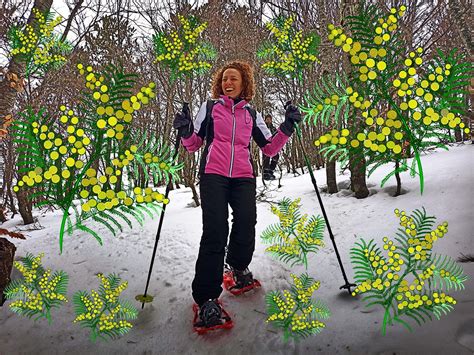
164 326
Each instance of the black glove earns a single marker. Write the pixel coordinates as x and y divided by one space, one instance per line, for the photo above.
183 123
292 116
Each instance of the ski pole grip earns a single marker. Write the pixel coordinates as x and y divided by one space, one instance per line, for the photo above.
187 112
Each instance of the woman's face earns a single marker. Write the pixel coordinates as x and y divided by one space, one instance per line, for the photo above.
232 83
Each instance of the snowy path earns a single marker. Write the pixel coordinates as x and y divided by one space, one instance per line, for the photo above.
164 327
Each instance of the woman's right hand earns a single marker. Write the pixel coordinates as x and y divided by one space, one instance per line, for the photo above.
183 123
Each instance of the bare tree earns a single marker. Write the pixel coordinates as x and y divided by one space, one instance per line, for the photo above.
120 33
8 97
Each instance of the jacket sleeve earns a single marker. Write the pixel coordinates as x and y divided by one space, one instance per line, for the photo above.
194 142
270 145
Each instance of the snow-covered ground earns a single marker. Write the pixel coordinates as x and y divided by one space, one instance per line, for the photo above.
164 326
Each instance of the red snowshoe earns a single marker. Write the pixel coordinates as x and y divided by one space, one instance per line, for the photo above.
209 322
239 282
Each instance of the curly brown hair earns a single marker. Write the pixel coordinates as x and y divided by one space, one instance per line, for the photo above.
248 84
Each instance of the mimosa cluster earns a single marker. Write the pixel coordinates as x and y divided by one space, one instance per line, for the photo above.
113 120
39 43
370 61
39 291
395 129
291 49
296 236
102 311
100 190
181 50
294 310
408 257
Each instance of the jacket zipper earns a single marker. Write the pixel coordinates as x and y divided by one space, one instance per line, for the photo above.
233 138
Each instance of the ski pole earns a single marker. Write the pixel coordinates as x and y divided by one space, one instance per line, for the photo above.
147 298
347 284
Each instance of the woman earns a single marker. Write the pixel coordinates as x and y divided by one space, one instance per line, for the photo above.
227 178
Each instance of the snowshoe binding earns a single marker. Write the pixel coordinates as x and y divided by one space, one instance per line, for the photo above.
210 316
238 282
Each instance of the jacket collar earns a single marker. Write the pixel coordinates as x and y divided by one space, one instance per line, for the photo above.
228 102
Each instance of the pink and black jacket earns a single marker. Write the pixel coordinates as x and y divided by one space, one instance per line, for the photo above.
228 130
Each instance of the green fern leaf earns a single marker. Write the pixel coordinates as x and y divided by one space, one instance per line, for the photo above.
89 231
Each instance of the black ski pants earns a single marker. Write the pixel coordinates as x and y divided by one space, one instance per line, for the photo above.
217 193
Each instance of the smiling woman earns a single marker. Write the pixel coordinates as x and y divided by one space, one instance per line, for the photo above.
232 83
228 123
236 75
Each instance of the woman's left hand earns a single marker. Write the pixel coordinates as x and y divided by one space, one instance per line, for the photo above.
292 117
292 114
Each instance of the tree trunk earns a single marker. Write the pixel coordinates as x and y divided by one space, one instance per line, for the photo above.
469 117
25 206
462 22
357 166
331 176
8 174
457 135
7 254
8 93
399 180
8 88
358 183
195 195
320 161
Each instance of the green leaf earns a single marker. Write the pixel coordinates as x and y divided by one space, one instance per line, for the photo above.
89 231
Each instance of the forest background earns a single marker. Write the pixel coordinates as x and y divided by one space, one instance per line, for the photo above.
120 32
